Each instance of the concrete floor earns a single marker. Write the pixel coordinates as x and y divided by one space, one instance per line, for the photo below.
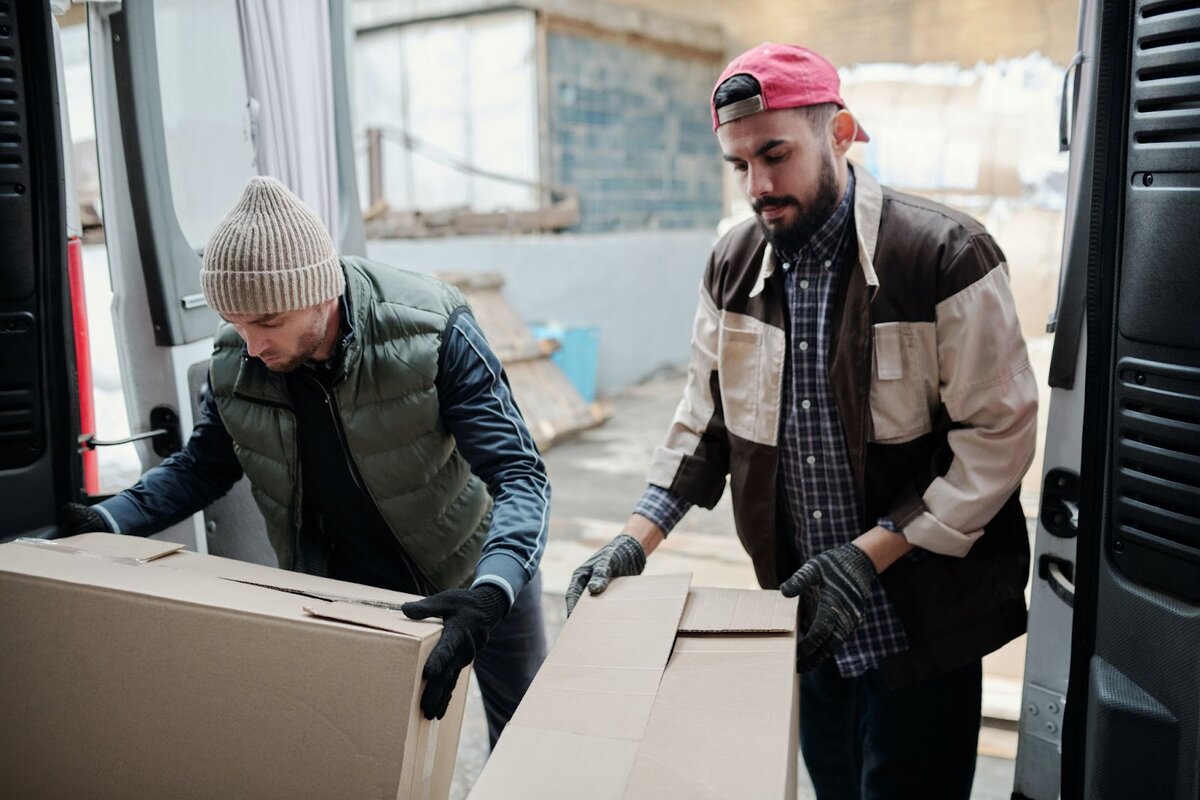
597 477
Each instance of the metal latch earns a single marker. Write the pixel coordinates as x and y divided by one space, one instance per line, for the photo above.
1060 503
164 434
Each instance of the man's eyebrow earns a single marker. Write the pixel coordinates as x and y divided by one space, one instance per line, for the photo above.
761 151
769 146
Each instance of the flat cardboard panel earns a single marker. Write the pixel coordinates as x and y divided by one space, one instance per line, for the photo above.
617 715
127 680
609 716
439 763
153 581
732 685
534 764
713 610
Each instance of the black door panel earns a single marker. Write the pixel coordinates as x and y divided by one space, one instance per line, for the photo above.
40 467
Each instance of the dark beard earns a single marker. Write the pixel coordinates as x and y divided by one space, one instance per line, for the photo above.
792 239
308 346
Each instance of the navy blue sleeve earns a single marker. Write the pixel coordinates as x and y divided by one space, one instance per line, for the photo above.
184 483
478 409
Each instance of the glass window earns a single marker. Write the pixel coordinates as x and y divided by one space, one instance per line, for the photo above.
206 119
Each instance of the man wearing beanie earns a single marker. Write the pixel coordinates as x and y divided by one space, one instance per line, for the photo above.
859 376
380 438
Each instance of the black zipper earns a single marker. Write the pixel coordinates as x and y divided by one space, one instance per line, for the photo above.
331 404
293 522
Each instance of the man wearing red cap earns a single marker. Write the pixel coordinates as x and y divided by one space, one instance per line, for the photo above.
858 375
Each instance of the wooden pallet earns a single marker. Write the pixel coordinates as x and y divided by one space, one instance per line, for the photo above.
552 406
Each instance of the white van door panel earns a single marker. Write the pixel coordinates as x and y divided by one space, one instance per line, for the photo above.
174 137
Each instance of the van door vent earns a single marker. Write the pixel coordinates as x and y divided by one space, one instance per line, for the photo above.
1157 475
1166 78
16 414
1161 8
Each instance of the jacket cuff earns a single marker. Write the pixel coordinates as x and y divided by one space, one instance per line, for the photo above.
121 514
503 570
928 532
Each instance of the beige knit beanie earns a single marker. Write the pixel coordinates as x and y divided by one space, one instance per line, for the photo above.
270 254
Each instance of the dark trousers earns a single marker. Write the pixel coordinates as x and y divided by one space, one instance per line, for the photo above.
514 653
864 741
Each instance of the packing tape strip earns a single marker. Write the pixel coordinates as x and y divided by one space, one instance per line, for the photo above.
66 548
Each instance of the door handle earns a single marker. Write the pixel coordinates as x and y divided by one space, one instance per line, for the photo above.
1060 575
1066 111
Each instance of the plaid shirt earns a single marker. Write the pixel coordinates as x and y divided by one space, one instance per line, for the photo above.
815 480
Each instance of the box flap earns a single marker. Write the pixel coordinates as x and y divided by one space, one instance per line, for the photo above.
603 672
108 546
712 610
282 586
716 691
375 617
297 583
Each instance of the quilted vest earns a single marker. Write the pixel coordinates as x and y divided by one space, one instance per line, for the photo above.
387 402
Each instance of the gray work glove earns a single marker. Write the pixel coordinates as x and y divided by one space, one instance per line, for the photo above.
839 582
76 518
620 557
468 617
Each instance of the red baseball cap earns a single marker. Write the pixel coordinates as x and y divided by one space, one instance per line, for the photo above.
789 77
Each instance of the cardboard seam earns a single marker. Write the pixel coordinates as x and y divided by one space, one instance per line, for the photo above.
679 776
329 598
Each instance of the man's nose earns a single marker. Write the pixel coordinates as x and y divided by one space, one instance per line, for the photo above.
758 183
255 344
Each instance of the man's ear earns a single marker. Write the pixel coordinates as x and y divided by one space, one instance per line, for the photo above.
845 128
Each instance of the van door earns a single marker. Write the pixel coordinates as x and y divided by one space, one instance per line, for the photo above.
1038 770
177 140
1131 724
40 464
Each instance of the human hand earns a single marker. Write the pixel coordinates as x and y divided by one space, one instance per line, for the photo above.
468 617
841 580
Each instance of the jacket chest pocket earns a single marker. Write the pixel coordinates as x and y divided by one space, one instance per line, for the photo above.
749 370
904 380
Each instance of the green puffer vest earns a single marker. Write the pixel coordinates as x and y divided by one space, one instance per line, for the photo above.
388 403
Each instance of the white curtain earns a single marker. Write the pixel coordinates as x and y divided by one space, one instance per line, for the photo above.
286 51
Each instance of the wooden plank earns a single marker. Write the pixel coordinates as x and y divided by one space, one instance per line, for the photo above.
552 406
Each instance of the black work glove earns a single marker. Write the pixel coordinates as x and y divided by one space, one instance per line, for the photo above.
76 518
468 617
620 557
840 580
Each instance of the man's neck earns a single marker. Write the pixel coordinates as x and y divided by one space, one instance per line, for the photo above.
333 329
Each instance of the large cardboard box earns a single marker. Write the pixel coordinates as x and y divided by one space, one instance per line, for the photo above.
130 669
659 691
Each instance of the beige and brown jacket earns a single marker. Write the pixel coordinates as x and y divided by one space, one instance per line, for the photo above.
937 401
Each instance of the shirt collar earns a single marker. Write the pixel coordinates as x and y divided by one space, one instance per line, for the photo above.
823 244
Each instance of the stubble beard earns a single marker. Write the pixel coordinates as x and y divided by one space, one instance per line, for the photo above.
810 217
307 347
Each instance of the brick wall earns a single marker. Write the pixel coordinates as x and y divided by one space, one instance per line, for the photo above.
906 31
629 128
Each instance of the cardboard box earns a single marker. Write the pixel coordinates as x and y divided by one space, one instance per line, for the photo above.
131 669
655 690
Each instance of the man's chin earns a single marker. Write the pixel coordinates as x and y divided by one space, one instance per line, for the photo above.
282 365
777 223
